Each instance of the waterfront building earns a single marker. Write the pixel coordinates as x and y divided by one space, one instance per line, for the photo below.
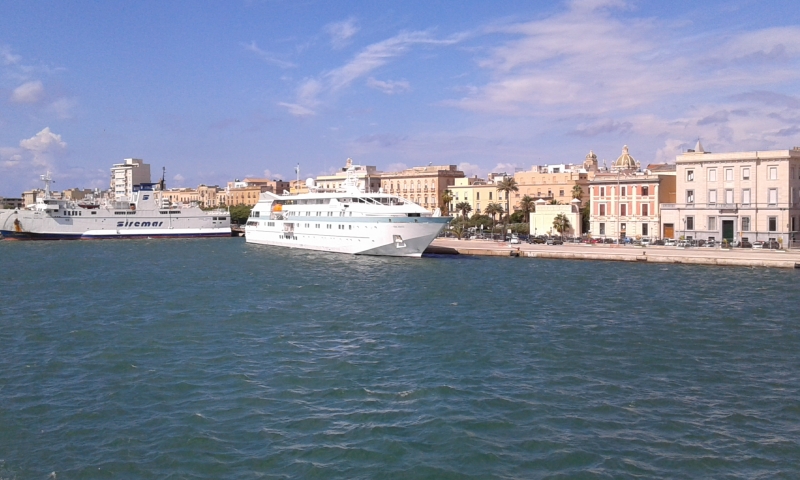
627 202
10 202
421 185
133 171
479 193
555 182
247 191
541 220
736 196
76 194
368 176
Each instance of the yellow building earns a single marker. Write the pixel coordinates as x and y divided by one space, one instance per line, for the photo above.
422 185
477 192
555 182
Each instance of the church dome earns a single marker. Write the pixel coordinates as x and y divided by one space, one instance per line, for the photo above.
590 163
625 161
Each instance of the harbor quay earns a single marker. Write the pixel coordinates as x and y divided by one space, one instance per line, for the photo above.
739 257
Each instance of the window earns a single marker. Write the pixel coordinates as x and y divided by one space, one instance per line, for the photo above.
712 174
689 196
772 196
644 229
602 209
689 223
490 195
773 173
772 224
746 196
623 210
728 174
561 193
645 209
602 228
602 191
745 224
645 191
690 175
712 223
712 197
729 196
477 195
745 173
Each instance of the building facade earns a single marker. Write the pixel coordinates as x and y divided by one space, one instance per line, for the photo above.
477 192
369 178
133 171
555 182
736 196
421 185
627 202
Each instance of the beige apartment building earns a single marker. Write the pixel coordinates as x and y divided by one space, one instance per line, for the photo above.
736 196
248 191
555 182
133 171
477 192
369 178
422 185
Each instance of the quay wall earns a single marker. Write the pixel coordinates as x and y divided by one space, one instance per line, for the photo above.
711 258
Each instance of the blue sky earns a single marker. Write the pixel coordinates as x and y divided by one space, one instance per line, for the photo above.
220 90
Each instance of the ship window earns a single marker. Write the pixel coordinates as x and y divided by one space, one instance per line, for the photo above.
94 213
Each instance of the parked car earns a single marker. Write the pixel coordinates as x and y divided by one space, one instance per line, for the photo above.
646 241
554 241
657 242
745 244
670 242
515 240
536 240
772 244
710 244
758 244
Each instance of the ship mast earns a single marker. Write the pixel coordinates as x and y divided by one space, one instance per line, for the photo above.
47 179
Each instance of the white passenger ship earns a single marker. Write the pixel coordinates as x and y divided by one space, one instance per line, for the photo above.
144 215
345 221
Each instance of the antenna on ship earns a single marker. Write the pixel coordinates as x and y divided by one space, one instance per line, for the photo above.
297 174
162 184
47 179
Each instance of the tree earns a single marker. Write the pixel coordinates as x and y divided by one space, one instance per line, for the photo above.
554 202
517 217
507 185
464 208
577 192
527 205
561 224
494 209
586 211
240 213
444 201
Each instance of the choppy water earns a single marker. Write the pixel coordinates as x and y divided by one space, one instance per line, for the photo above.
219 359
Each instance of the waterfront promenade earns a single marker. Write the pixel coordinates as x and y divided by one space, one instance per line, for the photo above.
657 254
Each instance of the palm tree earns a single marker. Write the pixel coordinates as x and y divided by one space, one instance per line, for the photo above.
577 192
507 185
464 208
527 205
561 224
494 209
554 202
446 198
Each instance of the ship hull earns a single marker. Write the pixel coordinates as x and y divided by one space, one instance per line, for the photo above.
395 237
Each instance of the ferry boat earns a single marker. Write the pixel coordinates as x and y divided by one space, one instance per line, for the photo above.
146 214
347 220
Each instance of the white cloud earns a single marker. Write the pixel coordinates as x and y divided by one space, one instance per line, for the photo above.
42 147
63 107
178 179
509 168
266 56
390 87
470 169
8 57
28 92
297 110
341 32
369 59
272 176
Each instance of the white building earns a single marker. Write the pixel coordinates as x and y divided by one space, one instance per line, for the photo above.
125 175
542 219
736 196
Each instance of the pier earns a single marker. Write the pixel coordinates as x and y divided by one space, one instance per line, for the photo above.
734 257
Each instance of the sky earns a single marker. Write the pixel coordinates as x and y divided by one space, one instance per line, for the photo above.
217 90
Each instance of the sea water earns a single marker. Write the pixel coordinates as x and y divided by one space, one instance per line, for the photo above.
220 359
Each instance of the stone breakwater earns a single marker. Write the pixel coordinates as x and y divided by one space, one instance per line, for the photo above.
653 254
